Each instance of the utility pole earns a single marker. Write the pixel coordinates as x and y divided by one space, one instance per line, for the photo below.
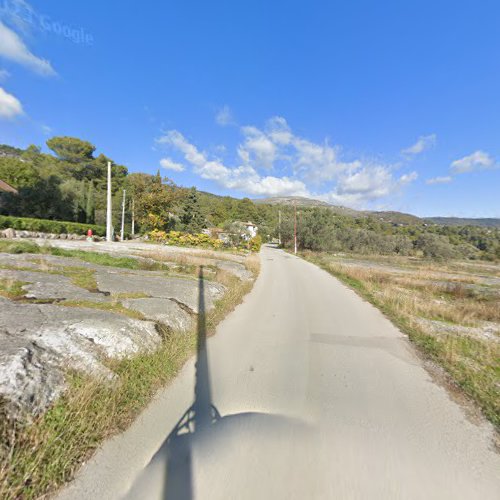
133 217
108 210
279 227
123 216
295 227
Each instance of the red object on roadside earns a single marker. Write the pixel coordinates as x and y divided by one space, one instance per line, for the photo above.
89 233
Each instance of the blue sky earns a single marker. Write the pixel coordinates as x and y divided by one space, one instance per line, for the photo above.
368 104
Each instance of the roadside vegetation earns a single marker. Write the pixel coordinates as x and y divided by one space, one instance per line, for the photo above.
70 185
99 258
449 310
40 454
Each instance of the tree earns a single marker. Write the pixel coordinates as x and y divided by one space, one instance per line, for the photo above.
90 204
246 211
191 216
18 173
155 200
71 149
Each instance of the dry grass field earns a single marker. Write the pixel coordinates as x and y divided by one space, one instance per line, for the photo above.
450 310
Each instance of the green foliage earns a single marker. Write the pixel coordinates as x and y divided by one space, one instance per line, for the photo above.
71 149
319 229
185 239
191 217
17 247
255 243
155 200
72 186
48 226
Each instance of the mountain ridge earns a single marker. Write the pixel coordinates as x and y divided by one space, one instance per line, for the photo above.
387 216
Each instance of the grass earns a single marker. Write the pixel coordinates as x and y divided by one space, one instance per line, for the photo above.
114 307
37 457
443 319
98 258
11 289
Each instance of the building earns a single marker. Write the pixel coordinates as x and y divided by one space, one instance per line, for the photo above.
251 229
7 188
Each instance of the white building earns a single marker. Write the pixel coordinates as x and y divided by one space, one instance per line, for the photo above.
252 229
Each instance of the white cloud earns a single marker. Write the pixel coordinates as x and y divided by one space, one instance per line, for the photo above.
370 183
439 180
169 164
242 178
423 143
479 160
4 74
224 116
315 163
258 149
312 169
10 105
408 178
14 49
46 130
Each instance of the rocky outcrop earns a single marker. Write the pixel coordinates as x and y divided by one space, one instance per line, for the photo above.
183 290
39 342
165 311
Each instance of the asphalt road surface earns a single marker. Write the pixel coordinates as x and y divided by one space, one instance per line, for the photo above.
306 391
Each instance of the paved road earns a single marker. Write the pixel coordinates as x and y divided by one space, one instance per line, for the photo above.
306 392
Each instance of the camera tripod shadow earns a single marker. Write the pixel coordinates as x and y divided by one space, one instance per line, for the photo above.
200 424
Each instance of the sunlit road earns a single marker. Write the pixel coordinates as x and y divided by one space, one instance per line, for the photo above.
306 392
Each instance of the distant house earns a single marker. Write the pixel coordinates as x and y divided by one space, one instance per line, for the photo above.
7 188
252 229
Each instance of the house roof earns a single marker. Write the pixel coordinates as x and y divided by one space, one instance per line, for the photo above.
7 188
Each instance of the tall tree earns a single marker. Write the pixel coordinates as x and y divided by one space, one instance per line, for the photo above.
71 149
191 216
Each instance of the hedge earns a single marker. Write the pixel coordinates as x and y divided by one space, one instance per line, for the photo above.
49 226
185 239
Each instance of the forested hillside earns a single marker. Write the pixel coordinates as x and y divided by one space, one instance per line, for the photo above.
70 185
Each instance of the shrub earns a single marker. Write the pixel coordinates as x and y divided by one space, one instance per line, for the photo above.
255 243
48 226
185 239
435 246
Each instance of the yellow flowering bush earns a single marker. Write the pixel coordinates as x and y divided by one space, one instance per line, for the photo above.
185 239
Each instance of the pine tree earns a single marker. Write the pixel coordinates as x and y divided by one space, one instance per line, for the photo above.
192 218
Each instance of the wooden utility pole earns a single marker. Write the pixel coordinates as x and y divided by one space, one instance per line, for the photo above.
109 223
279 227
133 217
295 227
123 217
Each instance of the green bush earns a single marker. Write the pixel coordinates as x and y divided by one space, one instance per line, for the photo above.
185 239
255 243
49 226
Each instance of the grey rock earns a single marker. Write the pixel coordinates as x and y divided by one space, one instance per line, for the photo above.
235 268
46 286
9 233
165 311
179 289
38 342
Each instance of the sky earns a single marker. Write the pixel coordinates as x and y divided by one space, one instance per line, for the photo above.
384 105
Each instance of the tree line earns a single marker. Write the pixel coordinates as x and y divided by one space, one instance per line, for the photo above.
69 184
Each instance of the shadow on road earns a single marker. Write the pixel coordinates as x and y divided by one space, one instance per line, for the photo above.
197 419
200 428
